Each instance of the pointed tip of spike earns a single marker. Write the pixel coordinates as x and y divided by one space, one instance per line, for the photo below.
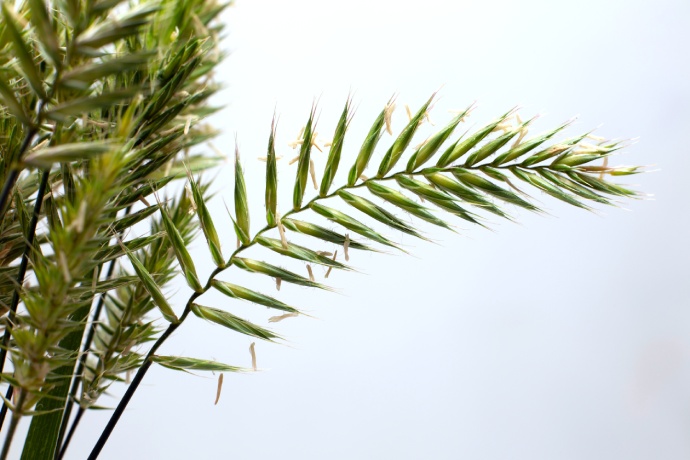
237 149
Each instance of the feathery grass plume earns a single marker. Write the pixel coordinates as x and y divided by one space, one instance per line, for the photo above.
103 108
94 102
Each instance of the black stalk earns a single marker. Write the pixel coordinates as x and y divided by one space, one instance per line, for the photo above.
20 276
78 374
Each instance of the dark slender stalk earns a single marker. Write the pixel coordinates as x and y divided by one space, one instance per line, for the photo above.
7 189
20 276
3 411
130 391
73 428
80 369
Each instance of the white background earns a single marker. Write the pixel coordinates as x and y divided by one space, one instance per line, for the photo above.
564 337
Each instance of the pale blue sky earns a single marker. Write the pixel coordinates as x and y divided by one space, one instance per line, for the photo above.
564 337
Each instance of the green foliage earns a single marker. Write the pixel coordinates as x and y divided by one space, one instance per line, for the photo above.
103 108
